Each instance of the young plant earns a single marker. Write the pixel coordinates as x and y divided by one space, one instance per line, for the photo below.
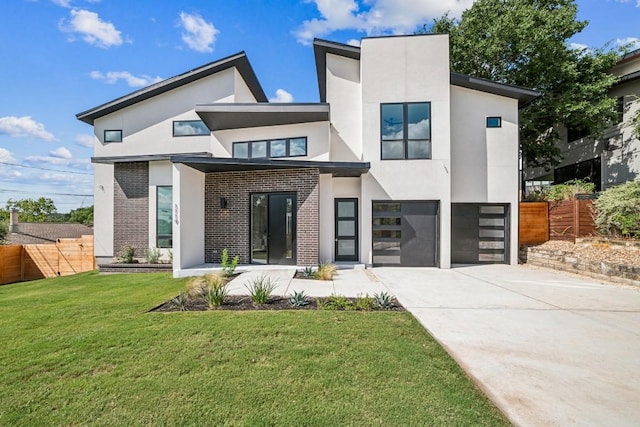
336 302
308 273
326 270
228 267
152 255
215 290
364 303
299 299
196 287
126 254
180 302
170 255
261 289
383 301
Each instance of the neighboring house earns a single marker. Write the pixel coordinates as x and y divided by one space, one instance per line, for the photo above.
614 157
27 233
400 163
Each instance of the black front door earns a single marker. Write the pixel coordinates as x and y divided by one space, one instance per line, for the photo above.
346 232
273 228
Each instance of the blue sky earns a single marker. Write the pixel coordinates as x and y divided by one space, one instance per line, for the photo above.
61 57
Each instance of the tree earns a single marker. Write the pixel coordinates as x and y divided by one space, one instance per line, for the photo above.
4 231
525 43
30 210
82 215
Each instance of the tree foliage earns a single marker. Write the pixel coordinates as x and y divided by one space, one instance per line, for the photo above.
82 215
4 231
525 43
39 210
618 210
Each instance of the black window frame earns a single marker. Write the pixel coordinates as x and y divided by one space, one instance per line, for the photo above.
158 235
619 110
492 126
112 140
405 131
268 153
173 128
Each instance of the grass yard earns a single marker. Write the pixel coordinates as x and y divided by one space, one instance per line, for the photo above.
82 350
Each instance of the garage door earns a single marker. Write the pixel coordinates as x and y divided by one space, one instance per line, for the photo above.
479 233
405 233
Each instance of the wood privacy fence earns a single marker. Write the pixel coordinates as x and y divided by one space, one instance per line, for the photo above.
20 263
564 220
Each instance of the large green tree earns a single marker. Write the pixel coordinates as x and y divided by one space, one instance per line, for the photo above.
82 215
38 210
526 43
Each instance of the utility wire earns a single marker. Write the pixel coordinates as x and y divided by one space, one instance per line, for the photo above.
44 169
6 190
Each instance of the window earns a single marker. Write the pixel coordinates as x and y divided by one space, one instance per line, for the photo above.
576 132
494 122
112 136
164 217
620 110
190 128
274 148
405 131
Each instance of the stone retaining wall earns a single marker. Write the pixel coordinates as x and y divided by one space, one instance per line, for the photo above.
134 268
566 261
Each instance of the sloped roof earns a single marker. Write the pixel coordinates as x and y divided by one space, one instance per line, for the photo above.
322 47
27 233
239 61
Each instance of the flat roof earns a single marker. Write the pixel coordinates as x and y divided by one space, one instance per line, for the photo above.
143 158
239 61
218 164
222 116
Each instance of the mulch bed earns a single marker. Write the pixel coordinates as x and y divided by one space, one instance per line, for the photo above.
240 302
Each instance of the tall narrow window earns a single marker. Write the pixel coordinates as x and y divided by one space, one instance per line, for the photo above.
405 131
620 110
164 217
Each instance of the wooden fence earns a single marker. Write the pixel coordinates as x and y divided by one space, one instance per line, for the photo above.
20 263
564 220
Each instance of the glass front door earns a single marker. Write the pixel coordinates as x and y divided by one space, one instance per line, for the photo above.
273 228
346 232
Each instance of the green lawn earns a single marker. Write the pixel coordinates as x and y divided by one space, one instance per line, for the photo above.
82 350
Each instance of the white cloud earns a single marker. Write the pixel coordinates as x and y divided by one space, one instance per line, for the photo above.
112 77
282 96
578 46
92 29
24 126
381 17
85 140
354 42
198 34
632 42
62 3
59 161
61 152
6 156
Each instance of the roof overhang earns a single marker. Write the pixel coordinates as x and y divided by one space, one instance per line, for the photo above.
320 50
223 116
523 95
109 160
217 164
239 61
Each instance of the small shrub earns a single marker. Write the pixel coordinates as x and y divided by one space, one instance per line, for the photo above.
196 286
617 210
152 255
299 299
228 267
180 302
326 270
383 301
336 302
261 289
126 254
308 273
215 290
364 303
170 255
567 190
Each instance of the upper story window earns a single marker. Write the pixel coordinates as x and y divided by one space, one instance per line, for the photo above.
576 132
619 110
405 130
190 128
272 148
113 135
494 122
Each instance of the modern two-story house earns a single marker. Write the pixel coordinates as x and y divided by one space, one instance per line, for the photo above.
401 163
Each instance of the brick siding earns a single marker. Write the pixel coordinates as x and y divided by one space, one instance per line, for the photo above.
131 206
229 228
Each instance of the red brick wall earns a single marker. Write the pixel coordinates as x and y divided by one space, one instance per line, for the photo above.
229 228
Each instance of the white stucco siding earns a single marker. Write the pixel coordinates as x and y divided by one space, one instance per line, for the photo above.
160 174
344 95
147 126
103 212
317 134
241 91
330 189
188 217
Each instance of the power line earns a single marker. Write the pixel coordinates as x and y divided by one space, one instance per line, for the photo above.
44 169
6 190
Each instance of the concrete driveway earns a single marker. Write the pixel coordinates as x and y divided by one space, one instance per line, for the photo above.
547 348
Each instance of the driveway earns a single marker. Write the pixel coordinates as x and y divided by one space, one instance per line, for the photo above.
547 348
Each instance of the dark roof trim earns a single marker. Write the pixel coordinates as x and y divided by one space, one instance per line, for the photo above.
217 164
239 61
222 116
320 50
523 95
143 158
629 77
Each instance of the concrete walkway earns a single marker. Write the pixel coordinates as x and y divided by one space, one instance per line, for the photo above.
547 348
